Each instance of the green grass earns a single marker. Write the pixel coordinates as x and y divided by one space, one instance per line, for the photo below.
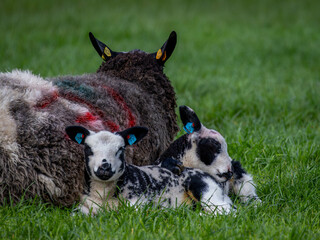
249 68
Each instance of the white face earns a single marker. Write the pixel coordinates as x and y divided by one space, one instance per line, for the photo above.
106 159
209 153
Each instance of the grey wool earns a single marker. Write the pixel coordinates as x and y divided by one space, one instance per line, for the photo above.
36 156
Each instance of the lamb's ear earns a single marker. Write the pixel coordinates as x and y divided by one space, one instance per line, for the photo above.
133 135
103 50
190 120
164 53
77 134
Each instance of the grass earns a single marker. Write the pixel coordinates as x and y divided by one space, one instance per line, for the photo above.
249 68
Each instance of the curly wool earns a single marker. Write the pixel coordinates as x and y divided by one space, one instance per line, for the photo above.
143 70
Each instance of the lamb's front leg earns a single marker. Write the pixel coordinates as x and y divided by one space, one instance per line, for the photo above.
242 184
216 201
93 204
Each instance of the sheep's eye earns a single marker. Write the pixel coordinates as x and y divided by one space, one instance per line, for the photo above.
120 151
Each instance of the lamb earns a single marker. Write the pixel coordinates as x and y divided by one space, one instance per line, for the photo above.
111 178
206 149
128 89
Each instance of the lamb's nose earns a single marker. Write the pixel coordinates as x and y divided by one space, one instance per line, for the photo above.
104 172
105 167
228 175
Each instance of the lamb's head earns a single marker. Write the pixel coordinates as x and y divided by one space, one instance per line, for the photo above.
135 59
207 149
104 150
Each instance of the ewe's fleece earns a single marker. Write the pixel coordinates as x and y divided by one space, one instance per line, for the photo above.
36 156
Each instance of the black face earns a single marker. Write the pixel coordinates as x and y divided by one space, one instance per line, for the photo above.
208 149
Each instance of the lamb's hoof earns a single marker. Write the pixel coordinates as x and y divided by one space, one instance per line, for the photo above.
255 201
178 170
173 165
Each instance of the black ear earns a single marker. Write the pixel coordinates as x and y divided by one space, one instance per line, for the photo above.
133 135
103 50
189 119
77 134
164 53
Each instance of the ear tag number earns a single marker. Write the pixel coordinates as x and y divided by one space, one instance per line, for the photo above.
189 127
159 54
79 137
107 52
131 139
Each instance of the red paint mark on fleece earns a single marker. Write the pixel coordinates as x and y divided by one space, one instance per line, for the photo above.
96 113
87 117
90 117
120 100
47 100
112 126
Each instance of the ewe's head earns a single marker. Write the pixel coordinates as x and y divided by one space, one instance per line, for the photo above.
135 59
208 149
104 151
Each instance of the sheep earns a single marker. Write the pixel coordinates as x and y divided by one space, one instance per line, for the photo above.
206 149
128 89
113 180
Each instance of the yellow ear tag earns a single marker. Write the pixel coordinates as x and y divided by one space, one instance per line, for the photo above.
103 57
159 54
107 52
164 56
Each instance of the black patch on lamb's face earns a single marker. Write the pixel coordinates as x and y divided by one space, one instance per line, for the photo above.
87 174
87 153
121 157
237 169
208 149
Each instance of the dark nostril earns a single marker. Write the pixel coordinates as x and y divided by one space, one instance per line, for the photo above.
104 171
104 160
105 166
228 175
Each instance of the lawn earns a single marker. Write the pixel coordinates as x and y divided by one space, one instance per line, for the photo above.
249 68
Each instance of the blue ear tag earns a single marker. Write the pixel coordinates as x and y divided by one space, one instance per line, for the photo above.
189 127
131 139
79 137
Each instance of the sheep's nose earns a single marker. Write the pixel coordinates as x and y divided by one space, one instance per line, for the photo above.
228 175
105 166
104 172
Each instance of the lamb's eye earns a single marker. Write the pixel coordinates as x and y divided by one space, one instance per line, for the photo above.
120 151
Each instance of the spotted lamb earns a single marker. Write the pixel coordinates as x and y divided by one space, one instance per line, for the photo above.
112 178
206 149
